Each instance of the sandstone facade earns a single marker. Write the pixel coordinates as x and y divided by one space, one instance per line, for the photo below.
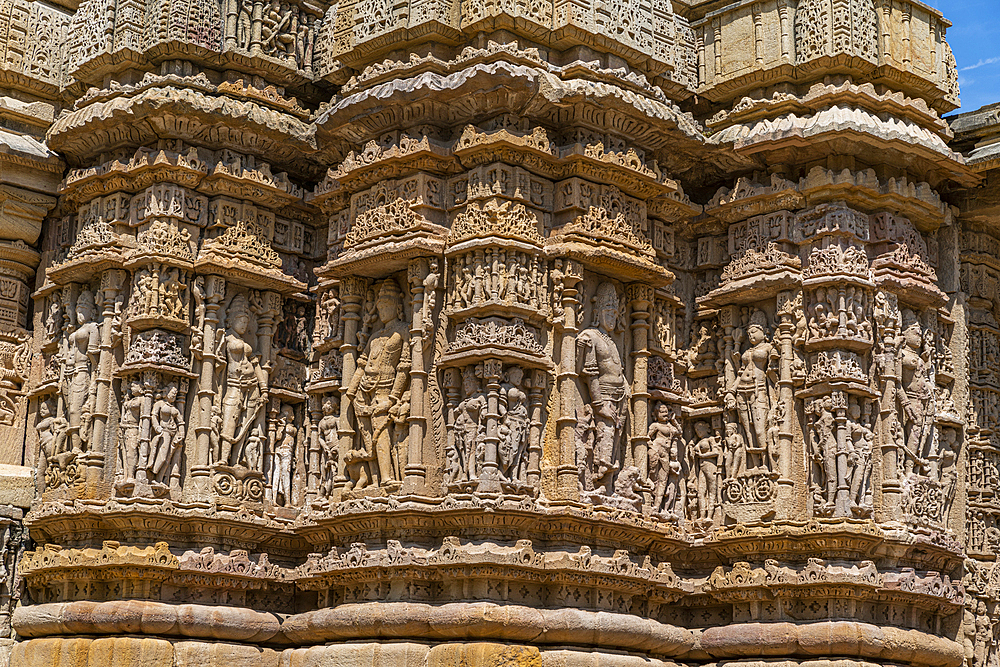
538 332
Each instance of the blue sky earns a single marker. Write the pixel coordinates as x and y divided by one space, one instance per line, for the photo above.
975 39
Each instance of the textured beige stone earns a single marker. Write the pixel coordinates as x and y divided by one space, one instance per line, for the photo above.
473 334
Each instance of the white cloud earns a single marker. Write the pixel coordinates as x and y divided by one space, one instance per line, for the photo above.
981 63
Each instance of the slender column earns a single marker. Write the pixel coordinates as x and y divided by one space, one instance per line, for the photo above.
256 23
786 32
640 296
315 410
538 382
569 395
891 370
201 458
230 10
150 381
352 291
111 287
789 304
489 478
842 502
414 472
907 29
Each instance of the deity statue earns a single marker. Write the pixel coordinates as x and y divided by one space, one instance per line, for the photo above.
664 465
469 428
916 391
168 428
603 376
378 384
173 288
707 454
823 454
329 454
513 447
51 429
284 451
430 284
330 314
81 363
753 391
244 391
128 430
860 456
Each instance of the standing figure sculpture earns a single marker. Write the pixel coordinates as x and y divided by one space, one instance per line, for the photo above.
664 464
382 375
513 427
753 393
707 458
244 393
51 429
168 426
469 428
603 375
281 462
329 454
128 430
81 362
916 393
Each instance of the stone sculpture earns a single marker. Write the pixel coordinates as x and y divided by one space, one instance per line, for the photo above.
244 387
606 391
471 333
375 392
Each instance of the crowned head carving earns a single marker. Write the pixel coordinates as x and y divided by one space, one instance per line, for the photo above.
606 305
86 309
239 314
757 328
912 335
389 302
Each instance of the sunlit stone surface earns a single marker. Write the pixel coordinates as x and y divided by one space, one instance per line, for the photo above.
470 334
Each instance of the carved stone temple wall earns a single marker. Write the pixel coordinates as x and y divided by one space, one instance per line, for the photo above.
550 333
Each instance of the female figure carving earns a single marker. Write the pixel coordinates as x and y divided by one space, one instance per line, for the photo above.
753 393
244 393
663 463
379 382
469 427
916 395
128 439
168 426
513 426
81 355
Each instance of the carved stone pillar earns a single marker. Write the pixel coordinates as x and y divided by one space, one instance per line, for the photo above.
111 286
450 384
842 499
150 381
489 478
536 394
789 305
640 297
415 473
569 396
315 411
352 292
200 458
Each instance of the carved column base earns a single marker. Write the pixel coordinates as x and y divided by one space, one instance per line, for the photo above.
489 480
567 484
415 480
198 487
784 503
93 464
892 500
